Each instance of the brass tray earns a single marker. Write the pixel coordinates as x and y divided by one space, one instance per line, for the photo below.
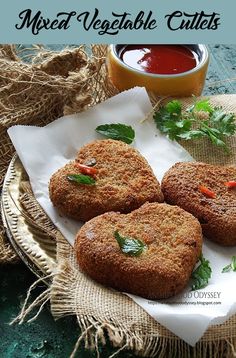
37 251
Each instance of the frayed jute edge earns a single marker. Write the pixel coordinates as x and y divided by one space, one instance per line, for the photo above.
39 302
96 332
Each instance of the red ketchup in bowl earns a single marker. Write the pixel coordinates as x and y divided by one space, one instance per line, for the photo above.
159 59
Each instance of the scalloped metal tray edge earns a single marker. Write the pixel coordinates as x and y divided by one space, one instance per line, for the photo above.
38 255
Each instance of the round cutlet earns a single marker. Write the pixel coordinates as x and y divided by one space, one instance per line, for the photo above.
173 238
124 181
217 214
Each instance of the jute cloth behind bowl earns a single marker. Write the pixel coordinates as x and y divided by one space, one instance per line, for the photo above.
37 93
42 89
104 314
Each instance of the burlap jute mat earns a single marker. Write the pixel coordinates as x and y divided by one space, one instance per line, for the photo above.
46 87
37 93
104 314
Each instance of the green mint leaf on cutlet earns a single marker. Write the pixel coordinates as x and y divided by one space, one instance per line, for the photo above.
117 131
81 179
129 246
201 275
231 266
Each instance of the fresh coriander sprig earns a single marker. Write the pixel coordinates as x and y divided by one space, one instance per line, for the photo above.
198 121
231 266
131 247
201 274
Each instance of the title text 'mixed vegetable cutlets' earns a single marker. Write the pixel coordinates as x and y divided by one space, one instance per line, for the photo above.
170 243
120 180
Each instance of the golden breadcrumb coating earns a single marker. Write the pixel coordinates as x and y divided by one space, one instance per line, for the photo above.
173 238
217 216
124 181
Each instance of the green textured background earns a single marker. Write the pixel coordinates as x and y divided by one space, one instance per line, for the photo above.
45 337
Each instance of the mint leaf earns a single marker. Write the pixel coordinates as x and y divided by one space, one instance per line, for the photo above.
117 131
226 268
81 179
231 266
201 274
131 247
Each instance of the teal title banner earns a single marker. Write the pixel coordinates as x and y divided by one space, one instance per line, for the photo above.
123 21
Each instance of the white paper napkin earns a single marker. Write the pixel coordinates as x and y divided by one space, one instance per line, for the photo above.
43 150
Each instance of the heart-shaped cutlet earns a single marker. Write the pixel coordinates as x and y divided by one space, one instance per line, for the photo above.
122 181
165 243
209 193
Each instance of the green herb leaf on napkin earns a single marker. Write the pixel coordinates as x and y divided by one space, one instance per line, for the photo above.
132 247
117 131
81 179
201 274
231 266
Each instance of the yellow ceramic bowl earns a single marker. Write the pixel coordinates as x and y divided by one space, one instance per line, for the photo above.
183 84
